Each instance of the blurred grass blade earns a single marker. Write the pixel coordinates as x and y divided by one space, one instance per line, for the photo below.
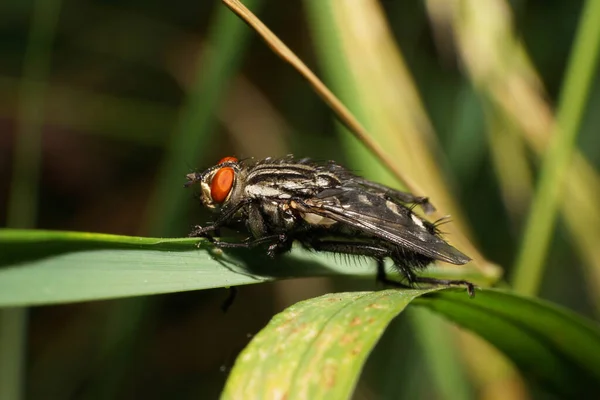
316 348
551 345
46 267
466 149
580 73
228 38
130 120
23 196
513 173
441 354
497 63
22 206
13 345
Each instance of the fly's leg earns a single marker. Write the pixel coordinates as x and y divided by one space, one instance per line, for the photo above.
383 278
413 279
278 244
282 245
379 254
200 231
222 220
447 282
407 267
249 243
230 298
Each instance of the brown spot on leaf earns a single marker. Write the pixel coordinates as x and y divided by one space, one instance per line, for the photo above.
299 328
283 325
374 306
349 338
329 375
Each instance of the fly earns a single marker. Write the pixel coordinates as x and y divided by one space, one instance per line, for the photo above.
324 207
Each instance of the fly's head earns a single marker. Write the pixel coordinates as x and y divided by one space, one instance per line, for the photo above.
221 186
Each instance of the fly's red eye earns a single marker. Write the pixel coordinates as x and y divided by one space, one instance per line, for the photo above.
221 184
227 159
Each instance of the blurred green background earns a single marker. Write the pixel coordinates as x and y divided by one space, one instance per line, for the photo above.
105 106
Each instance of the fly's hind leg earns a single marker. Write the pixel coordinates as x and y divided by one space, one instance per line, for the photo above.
379 253
447 282
383 278
407 263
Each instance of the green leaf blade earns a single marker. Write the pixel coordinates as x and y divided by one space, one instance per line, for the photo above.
549 344
317 348
50 267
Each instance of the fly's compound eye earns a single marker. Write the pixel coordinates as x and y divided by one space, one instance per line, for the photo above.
222 182
227 159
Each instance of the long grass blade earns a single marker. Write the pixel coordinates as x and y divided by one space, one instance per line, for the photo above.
23 197
581 70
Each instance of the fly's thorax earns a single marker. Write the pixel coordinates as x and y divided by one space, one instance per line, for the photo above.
283 181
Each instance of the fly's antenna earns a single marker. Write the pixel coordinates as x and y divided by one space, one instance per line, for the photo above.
192 178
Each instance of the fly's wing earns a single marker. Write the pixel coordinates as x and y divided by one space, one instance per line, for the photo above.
356 182
397 195
382 218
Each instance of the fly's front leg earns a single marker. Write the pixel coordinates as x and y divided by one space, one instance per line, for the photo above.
203 231
278 244
249 243
222 220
